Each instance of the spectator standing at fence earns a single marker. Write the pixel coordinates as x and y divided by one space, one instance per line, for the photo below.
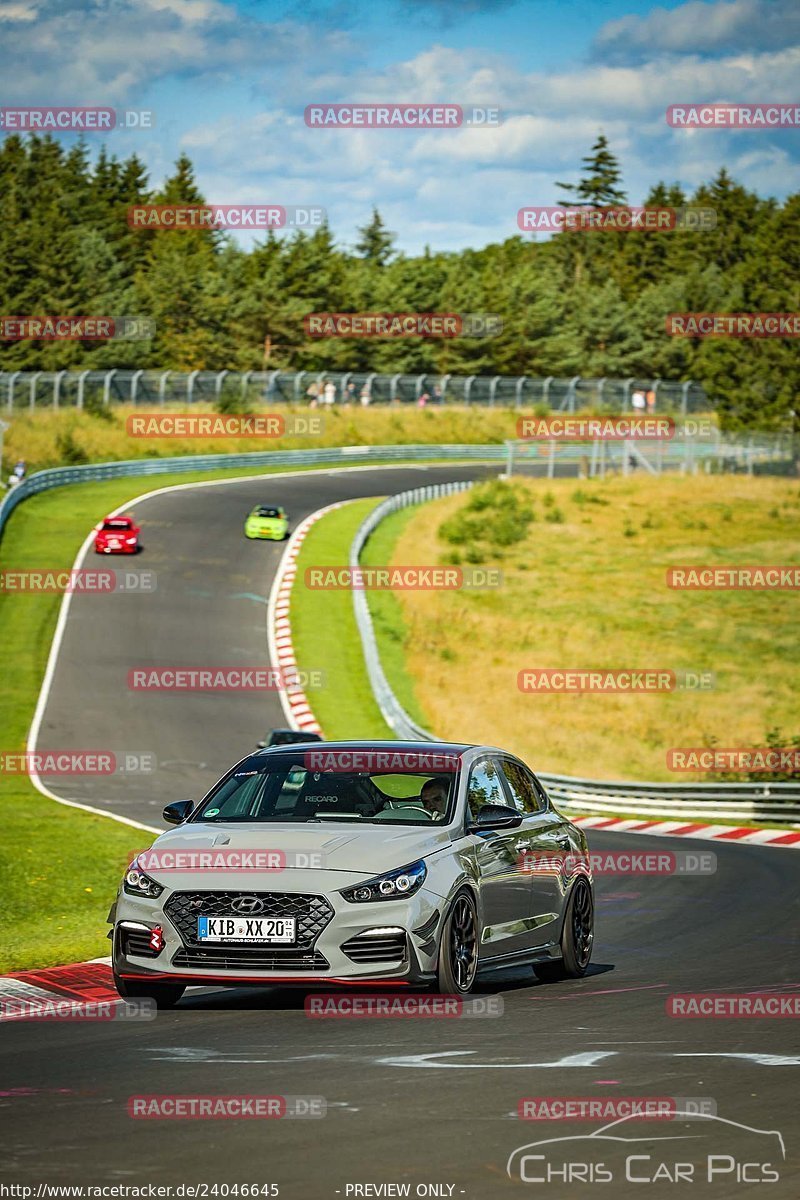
329 392
638 401
651 401
365 396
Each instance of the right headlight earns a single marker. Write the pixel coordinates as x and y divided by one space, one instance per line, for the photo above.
136 883
394 885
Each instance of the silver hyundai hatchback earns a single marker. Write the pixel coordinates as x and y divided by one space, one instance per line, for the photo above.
421 863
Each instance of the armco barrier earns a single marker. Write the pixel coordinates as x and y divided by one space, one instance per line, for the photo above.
689 801
340 456
683 454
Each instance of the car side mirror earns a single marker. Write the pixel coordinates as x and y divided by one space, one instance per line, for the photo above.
261 745
495 816
177 812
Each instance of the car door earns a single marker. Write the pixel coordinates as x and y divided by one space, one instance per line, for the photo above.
504 884
543 840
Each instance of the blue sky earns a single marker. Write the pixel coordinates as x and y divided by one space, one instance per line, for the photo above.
229 83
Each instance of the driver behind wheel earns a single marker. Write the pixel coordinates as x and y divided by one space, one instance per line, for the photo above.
433 795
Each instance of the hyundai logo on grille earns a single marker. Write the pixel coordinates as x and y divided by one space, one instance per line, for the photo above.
248 904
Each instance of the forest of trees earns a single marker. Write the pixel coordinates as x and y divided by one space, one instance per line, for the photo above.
590 303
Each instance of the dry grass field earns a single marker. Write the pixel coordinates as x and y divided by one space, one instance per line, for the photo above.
586 588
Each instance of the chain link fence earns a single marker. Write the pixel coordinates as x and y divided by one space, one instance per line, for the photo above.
80 389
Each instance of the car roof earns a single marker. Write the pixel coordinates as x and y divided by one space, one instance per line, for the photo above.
391 744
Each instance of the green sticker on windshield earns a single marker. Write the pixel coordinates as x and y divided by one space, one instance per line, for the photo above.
212 812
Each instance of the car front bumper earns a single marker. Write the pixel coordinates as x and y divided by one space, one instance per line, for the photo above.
374 933
101 548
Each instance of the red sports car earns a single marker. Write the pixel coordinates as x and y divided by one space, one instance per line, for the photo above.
116 535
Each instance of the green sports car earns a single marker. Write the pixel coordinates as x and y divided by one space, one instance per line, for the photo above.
267 521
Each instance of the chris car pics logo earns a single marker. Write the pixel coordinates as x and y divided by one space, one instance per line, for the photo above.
696 1147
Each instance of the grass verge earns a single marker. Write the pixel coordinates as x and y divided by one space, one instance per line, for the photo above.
65 437
585 587
325 634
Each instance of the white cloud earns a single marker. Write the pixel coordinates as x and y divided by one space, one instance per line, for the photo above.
18 12
700 27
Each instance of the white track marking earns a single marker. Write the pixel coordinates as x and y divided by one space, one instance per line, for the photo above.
587 1058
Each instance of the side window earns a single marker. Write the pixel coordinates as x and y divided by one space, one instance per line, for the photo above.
521 785
484 787
544 803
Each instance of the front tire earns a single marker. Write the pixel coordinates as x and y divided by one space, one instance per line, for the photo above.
458 949
577 938
166 995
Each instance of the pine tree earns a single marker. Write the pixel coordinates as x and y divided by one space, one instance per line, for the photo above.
375 242
599 185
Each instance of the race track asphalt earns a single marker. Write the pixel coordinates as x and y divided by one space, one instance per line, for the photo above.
413 1102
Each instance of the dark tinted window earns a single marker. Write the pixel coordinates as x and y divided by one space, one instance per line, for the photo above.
540 792
275 788
522 787
484 787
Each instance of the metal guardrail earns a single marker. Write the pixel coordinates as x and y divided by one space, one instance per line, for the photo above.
684 801
79 389
42 481
686 454
393 712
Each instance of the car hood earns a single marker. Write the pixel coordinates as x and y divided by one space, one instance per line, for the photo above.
365 851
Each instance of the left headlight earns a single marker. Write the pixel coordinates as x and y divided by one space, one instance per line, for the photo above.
136 883
394 885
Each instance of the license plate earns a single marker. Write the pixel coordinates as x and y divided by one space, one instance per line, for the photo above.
114 544
246 929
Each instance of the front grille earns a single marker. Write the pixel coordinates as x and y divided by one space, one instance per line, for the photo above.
371 948
235 957
312 914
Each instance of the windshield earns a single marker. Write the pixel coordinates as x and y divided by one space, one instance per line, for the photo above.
268 512
292 793
120 524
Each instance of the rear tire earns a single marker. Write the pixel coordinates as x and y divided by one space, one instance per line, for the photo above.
458 949
166 995
577 938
